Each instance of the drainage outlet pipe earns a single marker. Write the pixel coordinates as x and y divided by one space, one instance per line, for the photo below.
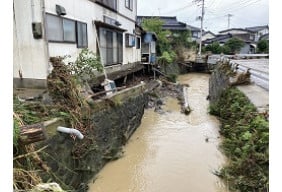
70 131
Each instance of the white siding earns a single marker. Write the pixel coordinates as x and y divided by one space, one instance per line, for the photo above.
30 55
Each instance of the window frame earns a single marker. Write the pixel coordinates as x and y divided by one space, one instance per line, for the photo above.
116 47
138 42
129 4
77 35
105 4
74 22
61 27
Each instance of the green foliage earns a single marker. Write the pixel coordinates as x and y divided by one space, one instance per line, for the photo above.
246 142
181 39
155 25
16 132
234 44
215 48
263 46
167 57
85 65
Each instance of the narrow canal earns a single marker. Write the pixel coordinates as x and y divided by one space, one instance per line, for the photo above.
170 151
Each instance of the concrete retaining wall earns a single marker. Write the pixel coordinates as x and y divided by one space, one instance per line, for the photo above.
219 81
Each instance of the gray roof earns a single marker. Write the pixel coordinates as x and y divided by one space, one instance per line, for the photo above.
224 38
265 36
239 29
206 32
170 23
257 28
192 28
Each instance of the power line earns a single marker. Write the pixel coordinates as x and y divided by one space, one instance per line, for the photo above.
179 9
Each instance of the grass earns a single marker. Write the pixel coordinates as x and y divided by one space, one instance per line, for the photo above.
245 143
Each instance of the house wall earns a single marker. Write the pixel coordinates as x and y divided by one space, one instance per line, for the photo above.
30 55
207 36
87 11
260 33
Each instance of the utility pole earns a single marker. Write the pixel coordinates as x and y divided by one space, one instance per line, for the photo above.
229 16
202 20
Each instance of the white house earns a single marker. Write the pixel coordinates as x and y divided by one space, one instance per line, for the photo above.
46 28
208 35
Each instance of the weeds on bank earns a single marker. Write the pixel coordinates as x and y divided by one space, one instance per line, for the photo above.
245 143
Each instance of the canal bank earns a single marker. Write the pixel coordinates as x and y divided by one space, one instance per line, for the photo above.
243 111
170 151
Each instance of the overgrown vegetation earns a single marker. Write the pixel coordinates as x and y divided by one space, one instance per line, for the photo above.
245 143
64 86
263 46
155 25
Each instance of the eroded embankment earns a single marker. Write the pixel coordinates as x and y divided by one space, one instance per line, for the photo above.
62 158
245 135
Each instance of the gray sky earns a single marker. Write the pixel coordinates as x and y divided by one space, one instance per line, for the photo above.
246 13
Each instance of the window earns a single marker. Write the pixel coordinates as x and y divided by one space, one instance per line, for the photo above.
195 34
129 4
110 46
108 3
129 40
60 29
54 28
69 30
138 42
81 35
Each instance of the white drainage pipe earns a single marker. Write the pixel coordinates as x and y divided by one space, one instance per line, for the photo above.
70 131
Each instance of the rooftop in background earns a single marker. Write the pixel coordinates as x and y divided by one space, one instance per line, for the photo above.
247 29
236 29
257 28
170 23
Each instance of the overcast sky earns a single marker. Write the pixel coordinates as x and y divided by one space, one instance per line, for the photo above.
245 13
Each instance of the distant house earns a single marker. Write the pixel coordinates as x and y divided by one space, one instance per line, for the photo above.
249 35
195 32
259 31
264 37
207 35
43 29
171 23
249 46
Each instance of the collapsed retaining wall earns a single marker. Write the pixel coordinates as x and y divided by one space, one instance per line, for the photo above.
74 162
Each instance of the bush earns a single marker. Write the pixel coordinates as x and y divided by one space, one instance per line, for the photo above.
86 63
263 46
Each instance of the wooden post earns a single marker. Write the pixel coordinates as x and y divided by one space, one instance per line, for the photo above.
32 133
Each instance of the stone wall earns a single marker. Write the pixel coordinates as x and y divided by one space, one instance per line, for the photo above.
74 162
218 82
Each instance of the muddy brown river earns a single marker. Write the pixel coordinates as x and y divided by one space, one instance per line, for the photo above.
171 151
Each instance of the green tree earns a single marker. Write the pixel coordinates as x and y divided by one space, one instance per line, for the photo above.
181 39
155 25
235 44
263 46
215 48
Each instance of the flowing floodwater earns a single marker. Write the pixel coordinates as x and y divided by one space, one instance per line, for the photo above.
171 151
